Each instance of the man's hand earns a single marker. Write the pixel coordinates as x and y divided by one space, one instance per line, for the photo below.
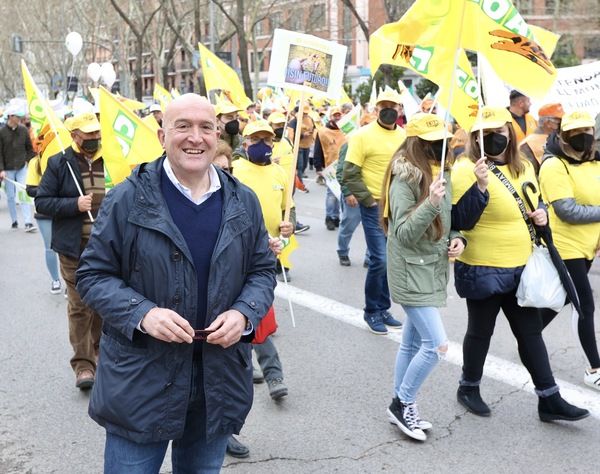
228 328
2 175
276 245
167 325
351 200
286 229
84 203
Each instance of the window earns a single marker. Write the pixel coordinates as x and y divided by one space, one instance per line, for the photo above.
592 48
275 20
525 7
295 20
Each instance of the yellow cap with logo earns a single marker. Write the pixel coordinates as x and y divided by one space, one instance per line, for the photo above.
257 126
428 127
389 95
225 107
491 117
276 117
577 119
86 122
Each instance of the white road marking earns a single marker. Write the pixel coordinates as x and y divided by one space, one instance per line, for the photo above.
495 367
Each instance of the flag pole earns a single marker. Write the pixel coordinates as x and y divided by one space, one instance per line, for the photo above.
452 82
292 177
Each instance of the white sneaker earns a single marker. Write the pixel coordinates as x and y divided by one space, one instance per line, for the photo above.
592 379
404 417
55 289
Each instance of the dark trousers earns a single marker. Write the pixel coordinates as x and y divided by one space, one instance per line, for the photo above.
526 326
579 269
268 359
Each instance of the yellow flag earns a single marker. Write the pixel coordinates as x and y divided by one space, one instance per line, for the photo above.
434 63
284 256
41 114
344 98
518 53
219 76
161 95
126 139
130 103
175 93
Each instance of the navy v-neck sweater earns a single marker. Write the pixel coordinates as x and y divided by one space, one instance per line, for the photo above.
199 224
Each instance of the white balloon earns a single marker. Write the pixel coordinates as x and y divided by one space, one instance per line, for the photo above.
74 42
109 76
94 71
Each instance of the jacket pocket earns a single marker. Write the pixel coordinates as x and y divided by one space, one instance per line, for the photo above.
420 273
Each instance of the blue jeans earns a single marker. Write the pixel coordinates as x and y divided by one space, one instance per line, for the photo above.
45 227
377 293
332 205
348 224
19 176
192 453
422 337
302 163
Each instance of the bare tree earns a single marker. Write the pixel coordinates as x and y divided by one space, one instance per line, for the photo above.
139 30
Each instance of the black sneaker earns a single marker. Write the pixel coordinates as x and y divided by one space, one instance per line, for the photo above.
277 389
336 222
389 320
301 227
14 225
329 223
344 260
30 228
406 417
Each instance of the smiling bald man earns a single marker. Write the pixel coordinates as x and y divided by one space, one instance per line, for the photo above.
180 270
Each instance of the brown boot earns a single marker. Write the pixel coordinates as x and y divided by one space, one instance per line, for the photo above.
85 379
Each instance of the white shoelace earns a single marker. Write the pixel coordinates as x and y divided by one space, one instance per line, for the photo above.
411 415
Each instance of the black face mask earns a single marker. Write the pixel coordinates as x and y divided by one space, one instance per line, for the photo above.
232 127
437 148
581 142
494 144
278 133
388 116
91 145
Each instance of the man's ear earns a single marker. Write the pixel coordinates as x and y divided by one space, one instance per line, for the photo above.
161 136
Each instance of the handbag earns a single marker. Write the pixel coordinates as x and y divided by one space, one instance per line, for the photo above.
540 285
267 326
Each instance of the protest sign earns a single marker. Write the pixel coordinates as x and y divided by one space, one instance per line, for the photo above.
331 181
306 63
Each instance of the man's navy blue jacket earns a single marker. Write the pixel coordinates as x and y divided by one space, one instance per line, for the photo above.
137 259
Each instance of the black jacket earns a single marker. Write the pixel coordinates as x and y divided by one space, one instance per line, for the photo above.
57 197
137 259
15 147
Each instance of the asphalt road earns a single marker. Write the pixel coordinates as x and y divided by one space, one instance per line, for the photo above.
339 377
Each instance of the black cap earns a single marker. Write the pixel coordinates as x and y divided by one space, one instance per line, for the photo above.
515 94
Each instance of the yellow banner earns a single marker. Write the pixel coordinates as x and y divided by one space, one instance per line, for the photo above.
126 140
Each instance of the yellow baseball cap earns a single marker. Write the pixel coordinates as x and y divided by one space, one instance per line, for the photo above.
491 117
389 95
226 108
577 119
428 127
86 122
257 126
276 117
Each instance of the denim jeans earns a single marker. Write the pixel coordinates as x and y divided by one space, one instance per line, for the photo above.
303 154
45 227
191 454
377 293
332 205
419 352
268 359
348 224
19 176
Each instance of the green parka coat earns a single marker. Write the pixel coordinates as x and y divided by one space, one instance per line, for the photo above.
417 267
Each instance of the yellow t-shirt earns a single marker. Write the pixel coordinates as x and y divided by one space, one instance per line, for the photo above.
284 151
581 182
269 183
500 238
372 147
